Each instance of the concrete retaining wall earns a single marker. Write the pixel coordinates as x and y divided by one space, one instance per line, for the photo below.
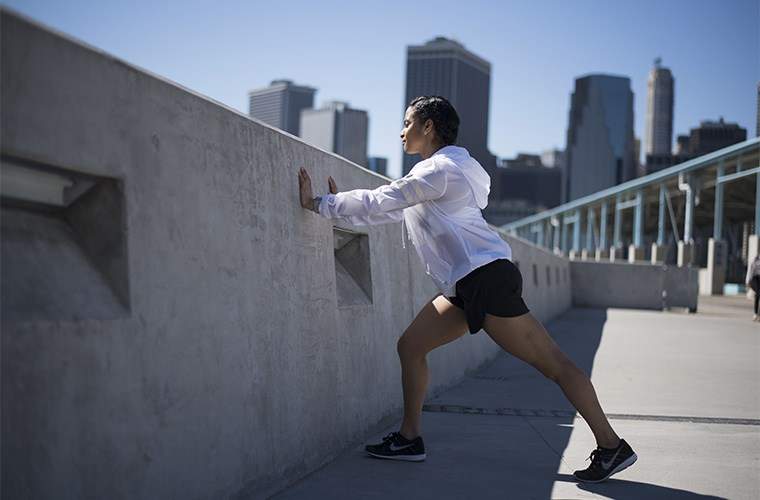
177 330
637 286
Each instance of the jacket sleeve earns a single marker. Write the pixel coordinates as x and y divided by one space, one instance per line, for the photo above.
426 181
373 220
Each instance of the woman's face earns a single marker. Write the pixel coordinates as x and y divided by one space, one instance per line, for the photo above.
413 135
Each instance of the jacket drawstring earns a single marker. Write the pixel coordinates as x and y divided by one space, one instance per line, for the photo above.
403 239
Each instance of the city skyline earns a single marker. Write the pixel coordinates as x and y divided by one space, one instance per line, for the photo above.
536 51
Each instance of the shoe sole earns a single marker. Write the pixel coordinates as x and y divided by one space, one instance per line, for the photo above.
405 458
623 465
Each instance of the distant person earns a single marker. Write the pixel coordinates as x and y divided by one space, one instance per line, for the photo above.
440 201
753 281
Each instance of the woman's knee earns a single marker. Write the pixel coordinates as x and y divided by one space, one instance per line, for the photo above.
558 367
407 348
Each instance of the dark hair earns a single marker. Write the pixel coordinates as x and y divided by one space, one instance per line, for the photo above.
444 116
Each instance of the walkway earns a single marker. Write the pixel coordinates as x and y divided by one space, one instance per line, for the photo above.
683 389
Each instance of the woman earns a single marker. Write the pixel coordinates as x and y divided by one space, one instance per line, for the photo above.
753 281
440 201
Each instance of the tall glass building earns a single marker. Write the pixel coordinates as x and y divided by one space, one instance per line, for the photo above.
444 67
600 142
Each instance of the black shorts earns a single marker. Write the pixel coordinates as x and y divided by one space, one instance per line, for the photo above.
495 288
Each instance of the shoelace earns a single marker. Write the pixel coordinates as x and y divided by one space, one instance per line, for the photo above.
398 437
389 437
596 458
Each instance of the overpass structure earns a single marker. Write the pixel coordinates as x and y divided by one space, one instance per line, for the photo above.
703 213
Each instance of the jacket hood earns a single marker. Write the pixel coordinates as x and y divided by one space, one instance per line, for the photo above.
476 175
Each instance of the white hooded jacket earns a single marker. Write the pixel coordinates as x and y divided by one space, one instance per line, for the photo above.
440 202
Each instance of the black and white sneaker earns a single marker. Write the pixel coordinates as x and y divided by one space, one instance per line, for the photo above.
396 447
606 462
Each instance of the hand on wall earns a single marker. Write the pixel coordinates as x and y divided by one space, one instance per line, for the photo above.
304 187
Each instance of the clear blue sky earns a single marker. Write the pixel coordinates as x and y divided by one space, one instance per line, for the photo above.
355 51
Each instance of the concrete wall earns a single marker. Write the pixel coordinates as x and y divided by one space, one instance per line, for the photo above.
681 287
546 277
180 333
637 286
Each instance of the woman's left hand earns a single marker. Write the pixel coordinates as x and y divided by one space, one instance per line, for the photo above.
304 186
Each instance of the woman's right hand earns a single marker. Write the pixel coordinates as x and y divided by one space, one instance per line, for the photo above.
304 189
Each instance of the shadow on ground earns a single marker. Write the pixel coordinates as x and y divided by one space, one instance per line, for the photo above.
501 433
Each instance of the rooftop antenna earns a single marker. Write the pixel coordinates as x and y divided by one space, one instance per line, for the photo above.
657 62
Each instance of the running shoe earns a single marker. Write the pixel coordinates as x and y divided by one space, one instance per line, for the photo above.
606 462
396 447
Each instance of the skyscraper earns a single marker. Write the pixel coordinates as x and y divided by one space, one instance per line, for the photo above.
338 128
280 104
444 67
658 136
600 148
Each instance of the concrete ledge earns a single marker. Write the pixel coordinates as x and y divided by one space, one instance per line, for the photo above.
638 285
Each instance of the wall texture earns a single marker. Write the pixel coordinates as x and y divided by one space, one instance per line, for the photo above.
176 330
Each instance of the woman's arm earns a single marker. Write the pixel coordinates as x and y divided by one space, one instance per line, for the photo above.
373 220
313 204
425 182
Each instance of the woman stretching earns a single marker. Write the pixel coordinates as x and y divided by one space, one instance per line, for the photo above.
440 201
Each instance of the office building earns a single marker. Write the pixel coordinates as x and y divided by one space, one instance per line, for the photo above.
445 67
711 136
338 128
280 104
600 141
552 158
521 160
682 145
525 178
658 136
708 137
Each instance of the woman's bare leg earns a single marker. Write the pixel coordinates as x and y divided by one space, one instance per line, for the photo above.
526 338
438 322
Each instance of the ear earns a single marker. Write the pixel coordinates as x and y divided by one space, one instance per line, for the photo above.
428 126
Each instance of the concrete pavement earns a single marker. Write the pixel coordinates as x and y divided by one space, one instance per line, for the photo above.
683 389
